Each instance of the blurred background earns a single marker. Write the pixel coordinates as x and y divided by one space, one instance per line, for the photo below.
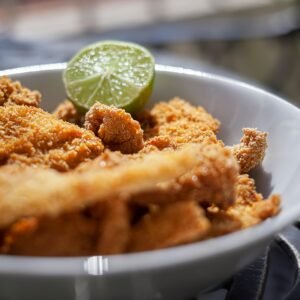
256 40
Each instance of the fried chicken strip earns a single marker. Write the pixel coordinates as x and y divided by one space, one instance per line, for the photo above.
31 136
212 181
251 150
12 92
170 225
115 127
46 192
70 234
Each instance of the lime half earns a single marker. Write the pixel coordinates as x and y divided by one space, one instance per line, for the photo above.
111 72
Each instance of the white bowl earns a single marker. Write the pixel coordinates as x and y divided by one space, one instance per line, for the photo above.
179 272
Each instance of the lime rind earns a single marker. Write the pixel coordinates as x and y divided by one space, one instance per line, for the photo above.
115 73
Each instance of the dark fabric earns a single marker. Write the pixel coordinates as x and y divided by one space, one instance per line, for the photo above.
273 276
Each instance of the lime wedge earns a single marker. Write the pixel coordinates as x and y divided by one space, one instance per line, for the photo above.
111 72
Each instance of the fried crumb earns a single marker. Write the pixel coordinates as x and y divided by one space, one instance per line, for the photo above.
116 128
251 150
66 111
12 92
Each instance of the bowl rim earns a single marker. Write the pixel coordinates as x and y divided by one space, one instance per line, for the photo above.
158 259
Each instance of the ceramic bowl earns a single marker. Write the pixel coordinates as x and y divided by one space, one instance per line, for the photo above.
184 271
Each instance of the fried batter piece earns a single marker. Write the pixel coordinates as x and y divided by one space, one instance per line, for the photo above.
31 136
66 111
180 121
114 228
12 92
67 235
115 127
248 210
211 182
20 195
170 225
103 228
250 207
251 150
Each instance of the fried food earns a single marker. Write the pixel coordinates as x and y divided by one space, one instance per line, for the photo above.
170 225
115 127
179 121
119 184
114 228
33 137
251 150
212 181
12 92
66 111
248 209
70 234
20 195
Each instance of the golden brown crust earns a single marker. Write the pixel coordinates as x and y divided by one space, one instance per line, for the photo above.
68 235
180 121
12 92
248 210
115 127
251 150
165 194
31 136
114 227
20 195
212 181
170 225
66 111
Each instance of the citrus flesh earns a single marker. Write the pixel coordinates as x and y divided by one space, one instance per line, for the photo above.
110 72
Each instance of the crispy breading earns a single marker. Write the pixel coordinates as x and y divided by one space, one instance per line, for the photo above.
250 207
248 210
40 192
66 111
67 235
31 136
107 159
251 150
114 227
116 128
12 92
211 181
170 225
180 121
172 184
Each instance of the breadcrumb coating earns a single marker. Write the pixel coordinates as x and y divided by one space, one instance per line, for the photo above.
180 121
170 225
116 128
66 111
114 227
67 235
12 92
33 137
45 192
248 210
211 181
163 180
251 150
